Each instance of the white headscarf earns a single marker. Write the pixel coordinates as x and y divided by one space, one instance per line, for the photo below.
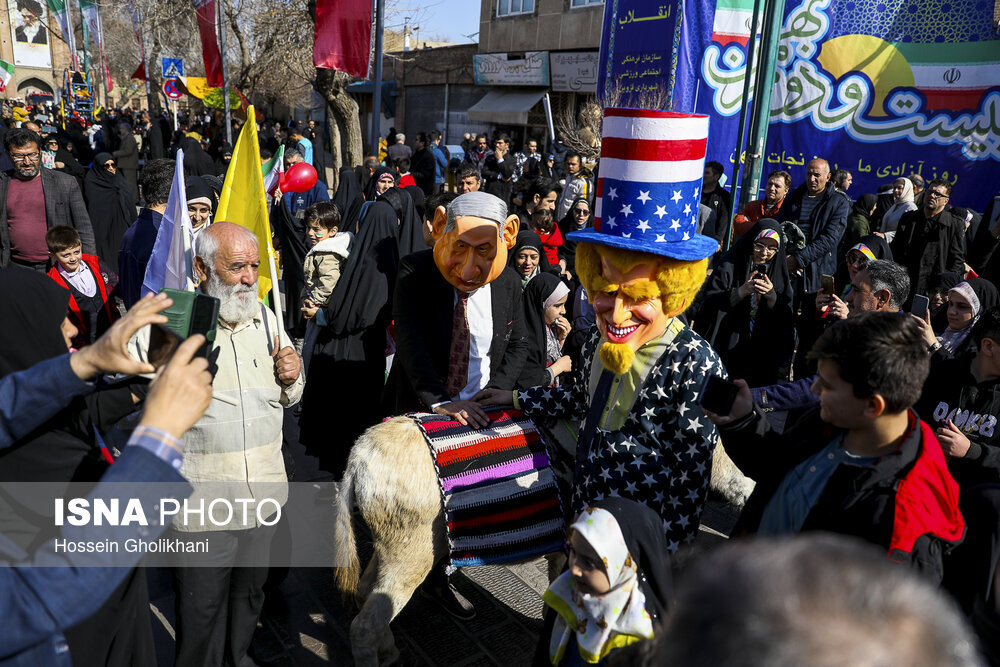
600 623
902 205
950 338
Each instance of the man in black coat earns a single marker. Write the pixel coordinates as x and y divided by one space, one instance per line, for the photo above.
422 165
317 135
931 239
459 328
820 211
33 200
498 169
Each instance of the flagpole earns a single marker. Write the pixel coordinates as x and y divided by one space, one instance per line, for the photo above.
377 84
275 294
225 74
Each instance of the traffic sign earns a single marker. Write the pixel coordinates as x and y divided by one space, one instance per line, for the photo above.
173 68
171 90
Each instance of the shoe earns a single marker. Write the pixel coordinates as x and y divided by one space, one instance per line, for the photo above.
450 600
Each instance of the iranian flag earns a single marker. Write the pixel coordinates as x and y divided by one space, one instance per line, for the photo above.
733 19
272 170
60 10
953 76
6 72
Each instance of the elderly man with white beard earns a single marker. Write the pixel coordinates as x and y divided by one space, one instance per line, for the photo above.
233 452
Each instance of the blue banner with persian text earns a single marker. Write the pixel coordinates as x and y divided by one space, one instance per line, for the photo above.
882 88
651 53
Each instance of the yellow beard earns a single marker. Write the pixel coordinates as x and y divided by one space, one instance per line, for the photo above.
617 357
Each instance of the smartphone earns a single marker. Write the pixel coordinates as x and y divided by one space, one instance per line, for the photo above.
191 313
920 304
718 395
760 269
828 285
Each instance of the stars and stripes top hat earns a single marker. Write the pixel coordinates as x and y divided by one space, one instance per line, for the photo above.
649 186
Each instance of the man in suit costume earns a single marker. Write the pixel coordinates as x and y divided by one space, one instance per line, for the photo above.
459 327
467 265
33 200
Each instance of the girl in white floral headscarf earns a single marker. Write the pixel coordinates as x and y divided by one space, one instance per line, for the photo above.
615 589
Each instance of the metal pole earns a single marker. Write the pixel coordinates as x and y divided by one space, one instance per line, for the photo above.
377 83
145 66
447 111
774 12
225 74
751 54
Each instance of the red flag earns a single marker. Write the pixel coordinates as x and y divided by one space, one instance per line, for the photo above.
205 9
343 35
140 72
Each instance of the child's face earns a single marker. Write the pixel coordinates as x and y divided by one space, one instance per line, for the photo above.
587 567
555 311
316 232
69 258
838 405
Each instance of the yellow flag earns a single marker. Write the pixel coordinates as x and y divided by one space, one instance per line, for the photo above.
244 202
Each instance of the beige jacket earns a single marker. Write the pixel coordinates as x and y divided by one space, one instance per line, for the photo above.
234 451
322 266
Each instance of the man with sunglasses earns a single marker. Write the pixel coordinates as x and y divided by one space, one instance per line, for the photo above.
33 200
931 239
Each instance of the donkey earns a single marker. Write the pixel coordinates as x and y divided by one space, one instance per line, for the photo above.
391 479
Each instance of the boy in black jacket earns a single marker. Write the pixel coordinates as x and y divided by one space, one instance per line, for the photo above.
962 400
861 463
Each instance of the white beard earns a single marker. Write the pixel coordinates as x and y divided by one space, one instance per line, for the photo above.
238 303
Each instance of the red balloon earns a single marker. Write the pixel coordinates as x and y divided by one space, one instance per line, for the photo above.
301 177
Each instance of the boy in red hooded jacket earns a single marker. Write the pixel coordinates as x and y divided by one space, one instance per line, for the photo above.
91 308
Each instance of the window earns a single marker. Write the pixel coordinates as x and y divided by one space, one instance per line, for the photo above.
508 7
585 3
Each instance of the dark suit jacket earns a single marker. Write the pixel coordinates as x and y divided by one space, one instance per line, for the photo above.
63 206
423 307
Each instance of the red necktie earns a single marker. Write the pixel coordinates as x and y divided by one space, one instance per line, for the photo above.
458 361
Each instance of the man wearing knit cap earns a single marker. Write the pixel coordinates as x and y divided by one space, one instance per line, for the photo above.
459 327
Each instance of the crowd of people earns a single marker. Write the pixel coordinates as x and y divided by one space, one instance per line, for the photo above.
862 336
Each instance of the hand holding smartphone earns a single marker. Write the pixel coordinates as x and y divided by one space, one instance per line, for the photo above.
920 305
828 284
718 395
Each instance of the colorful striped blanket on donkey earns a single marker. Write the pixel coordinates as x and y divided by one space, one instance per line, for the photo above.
501 502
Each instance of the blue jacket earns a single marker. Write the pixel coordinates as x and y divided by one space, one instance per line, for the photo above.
300 201
39 602
440 163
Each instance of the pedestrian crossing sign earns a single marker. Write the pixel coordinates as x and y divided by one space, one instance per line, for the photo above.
173 68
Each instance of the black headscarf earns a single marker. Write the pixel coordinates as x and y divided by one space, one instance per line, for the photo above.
529 239
411 237
196 161
535 294
417 195
348 199
195 187
741 256
371 191
110 206
32 306
291 235
363 295
864 205
568 223
642 529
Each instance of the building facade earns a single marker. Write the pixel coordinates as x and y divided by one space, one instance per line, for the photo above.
530 49
31 41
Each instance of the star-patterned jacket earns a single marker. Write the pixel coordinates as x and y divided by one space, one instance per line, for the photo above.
662 455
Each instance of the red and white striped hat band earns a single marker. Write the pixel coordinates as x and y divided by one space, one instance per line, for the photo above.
649 184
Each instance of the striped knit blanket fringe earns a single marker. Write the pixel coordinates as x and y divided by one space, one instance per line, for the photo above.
499 491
